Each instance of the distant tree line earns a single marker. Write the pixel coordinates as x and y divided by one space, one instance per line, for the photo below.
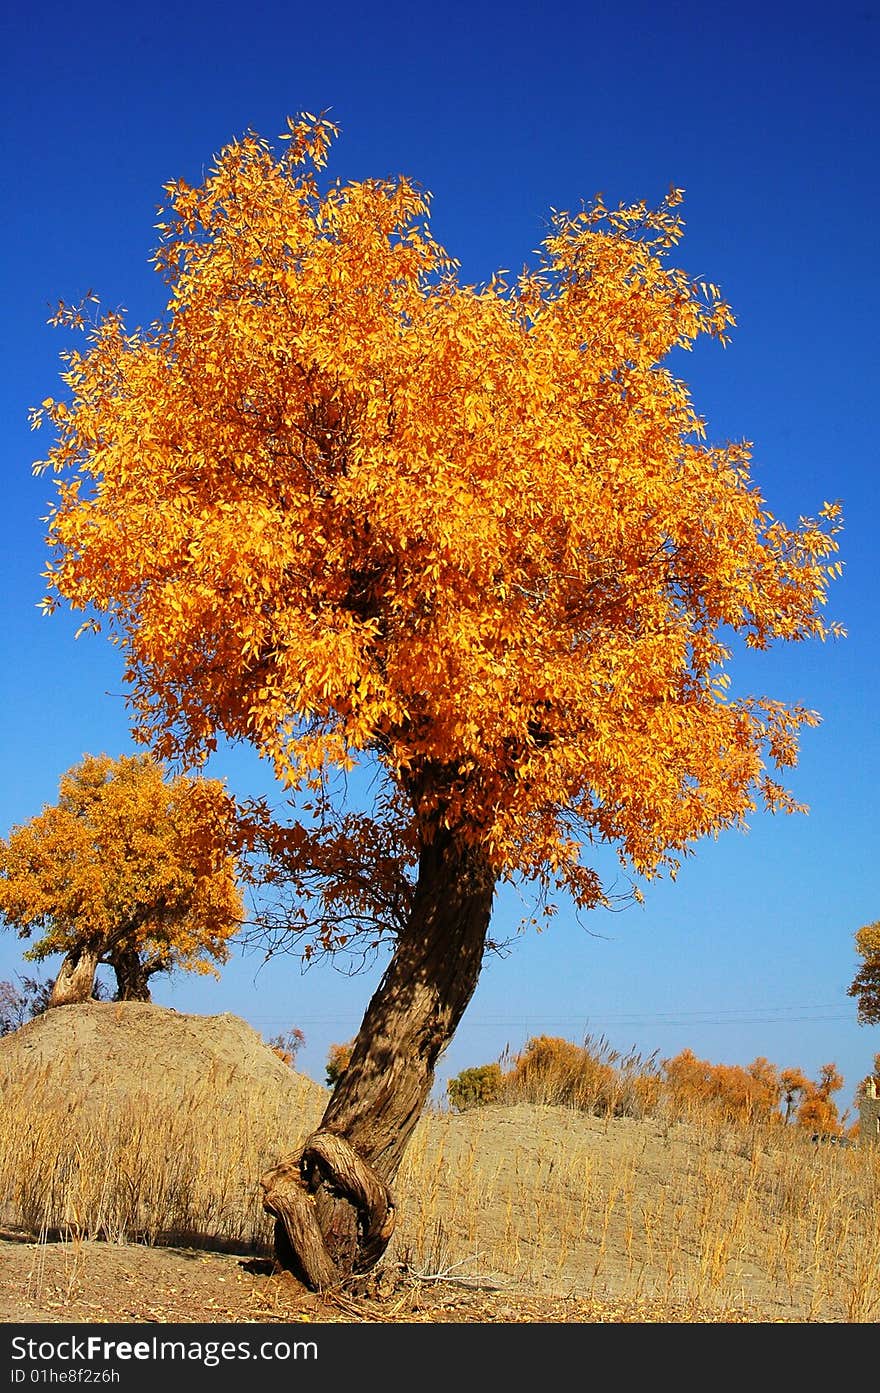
595 1078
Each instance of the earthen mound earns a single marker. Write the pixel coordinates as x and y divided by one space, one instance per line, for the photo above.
110 1052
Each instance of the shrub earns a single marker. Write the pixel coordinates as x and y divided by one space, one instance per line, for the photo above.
337 1062
29 1000
729 1091
551 1071
595 1078
473 1088
591 1077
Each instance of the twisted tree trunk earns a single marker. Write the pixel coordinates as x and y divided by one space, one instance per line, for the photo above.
332 1199
133 975
76 977
131 980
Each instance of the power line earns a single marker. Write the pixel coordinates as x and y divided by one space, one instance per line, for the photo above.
770 1015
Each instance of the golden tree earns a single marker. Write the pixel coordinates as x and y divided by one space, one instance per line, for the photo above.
817 1110
128 868
865 986
341 505
794 1085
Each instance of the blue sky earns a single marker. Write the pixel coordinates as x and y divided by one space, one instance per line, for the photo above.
767 116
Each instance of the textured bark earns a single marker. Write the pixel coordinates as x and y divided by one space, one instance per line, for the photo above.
343 1173
76 978
132 977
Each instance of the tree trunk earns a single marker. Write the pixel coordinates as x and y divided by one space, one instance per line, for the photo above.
332 1199
76 978
132 977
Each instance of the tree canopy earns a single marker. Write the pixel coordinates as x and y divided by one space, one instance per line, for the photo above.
130 866
475 531
865 986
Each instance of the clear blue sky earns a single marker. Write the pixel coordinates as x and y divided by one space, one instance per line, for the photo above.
767 116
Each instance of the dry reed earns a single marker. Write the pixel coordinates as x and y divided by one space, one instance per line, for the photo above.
530 1196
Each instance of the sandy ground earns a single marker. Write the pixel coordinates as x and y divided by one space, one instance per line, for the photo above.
496 1171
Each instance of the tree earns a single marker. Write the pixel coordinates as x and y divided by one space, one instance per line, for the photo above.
287 1045
794 1086
865 986
469 539
129 868
29 1000
338 1057
16 1007
736 1093
817 1110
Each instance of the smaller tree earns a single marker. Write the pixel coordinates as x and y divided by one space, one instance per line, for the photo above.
128 868
287 1045
23 1003
15 1008
734 1092
794 1084
866 983
338 1057
817 1111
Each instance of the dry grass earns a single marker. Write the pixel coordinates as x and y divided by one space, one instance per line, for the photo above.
687 1213
530 1198
172 1169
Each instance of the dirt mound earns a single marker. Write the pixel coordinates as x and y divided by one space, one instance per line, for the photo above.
113 1051
149 1128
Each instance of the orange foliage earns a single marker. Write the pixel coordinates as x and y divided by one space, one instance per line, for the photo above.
557 1070
591 1077
754 1093
595 1078
287 1045
865 985
338 1057
126 859
793 1085
737 1093
817 1110
342 878
473 532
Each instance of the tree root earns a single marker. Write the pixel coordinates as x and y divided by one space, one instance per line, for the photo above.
326 1162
